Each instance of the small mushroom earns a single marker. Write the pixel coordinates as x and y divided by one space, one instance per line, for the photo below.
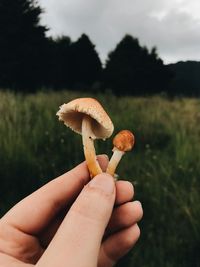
86 116
122 142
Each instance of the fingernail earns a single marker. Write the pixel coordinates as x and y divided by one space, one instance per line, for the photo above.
103 155
137 202
104 182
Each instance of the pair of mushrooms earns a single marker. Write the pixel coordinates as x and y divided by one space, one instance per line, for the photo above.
87 117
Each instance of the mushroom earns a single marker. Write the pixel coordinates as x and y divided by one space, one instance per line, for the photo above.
86 116
122 142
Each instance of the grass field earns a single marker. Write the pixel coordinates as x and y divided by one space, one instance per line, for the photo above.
164 165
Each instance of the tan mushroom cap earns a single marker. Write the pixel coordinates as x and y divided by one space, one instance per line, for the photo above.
72 114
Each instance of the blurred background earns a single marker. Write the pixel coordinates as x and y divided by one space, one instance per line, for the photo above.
141 60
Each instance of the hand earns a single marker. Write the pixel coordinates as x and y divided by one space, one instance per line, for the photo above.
72 221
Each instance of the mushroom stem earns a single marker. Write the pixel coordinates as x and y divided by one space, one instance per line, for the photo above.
114 161
122 142
88 147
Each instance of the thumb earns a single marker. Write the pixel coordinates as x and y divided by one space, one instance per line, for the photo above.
78 239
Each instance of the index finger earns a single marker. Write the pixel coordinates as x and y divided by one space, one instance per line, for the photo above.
36 211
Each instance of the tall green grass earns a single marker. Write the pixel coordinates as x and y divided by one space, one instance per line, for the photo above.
164 165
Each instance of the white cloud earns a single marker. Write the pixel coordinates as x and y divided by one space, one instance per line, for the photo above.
171 25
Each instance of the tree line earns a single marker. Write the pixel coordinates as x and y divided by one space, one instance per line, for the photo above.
30 60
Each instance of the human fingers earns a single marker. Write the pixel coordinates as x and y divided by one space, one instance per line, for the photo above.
117 245
45 203
79 237
9 261
124 216
49 231
124 192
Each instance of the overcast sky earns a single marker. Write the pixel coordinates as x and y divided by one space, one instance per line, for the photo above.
173 26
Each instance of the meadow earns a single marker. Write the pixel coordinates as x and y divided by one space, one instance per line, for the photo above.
164 165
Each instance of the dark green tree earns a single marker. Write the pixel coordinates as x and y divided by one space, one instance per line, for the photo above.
131 69
22 44
86 66
60 62
186 80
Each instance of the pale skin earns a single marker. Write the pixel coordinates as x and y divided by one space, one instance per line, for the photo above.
72 221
